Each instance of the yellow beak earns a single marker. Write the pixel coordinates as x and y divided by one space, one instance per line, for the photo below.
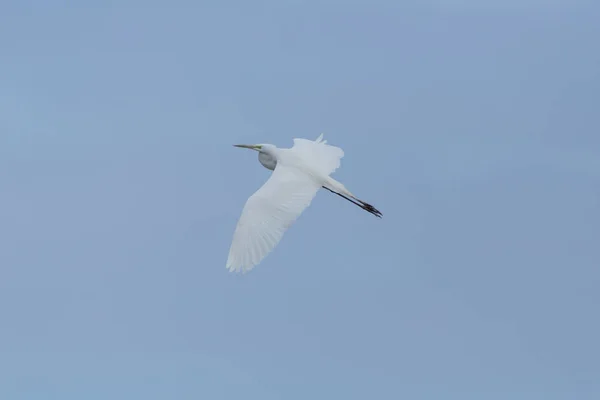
249 146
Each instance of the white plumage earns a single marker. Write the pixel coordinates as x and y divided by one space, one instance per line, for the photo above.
318 154
268 213
298 174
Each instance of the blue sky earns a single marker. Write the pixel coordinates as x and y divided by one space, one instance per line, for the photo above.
473 127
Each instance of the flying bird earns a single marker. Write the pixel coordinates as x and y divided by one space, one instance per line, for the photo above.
298 174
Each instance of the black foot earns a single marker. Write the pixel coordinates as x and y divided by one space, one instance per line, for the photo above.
371 209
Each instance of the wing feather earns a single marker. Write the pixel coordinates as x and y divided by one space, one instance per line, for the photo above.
319 155
267 214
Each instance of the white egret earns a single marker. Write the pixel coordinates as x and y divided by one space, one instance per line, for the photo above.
298 174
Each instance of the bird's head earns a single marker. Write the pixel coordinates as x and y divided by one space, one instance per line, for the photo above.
267 154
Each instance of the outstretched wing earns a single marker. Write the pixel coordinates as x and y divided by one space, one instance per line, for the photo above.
319 155
268 213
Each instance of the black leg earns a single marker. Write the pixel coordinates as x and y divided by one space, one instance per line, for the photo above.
365 206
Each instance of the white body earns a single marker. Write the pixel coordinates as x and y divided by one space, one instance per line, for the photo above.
298 174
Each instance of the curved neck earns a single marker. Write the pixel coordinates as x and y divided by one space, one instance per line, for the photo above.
267 160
